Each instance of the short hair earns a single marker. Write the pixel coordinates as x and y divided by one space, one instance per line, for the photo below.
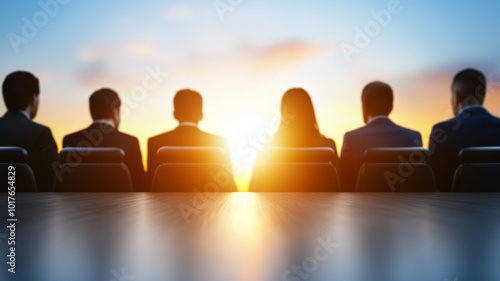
18 89
471 85
102 103
187 103
377 98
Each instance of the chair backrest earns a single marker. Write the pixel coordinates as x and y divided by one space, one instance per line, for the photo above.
279 154
81 155
15 157
193 177
397 155
478 170
192 168
93 170
191 154
485 154
296 169
396 170
296 177
477 177
392 177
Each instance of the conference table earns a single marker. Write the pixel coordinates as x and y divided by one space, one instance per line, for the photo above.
253 236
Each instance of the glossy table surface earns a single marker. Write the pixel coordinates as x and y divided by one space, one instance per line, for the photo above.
248 236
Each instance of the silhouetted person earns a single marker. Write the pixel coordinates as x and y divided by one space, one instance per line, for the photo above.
21 93
188 111
103 132
472 125
377 102
299 127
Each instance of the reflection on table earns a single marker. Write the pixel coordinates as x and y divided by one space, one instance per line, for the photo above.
249 236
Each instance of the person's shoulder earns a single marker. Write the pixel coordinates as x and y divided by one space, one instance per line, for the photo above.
493 122
26 127
415 134
447 124
172 137
161 136
74 134
127 137
213 137
26 124
408 130
39 127
496 118
73 138
327 141
358 131
126 141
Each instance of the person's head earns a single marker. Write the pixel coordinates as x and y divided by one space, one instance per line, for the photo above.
105 104
297 113
377 99
468 88
21 90
188 106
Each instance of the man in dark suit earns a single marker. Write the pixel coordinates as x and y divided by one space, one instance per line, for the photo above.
472 126
21 93
188 111
103 132
377 103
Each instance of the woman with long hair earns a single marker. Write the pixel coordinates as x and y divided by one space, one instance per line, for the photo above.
299 127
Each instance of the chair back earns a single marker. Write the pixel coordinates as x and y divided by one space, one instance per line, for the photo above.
396 170
13 164
93 170
191 169
478 170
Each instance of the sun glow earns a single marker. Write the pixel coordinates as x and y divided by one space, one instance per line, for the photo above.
248 135
243 214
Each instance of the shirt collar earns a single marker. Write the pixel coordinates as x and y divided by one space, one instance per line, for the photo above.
472 106
105 121
192 124
377 118
25 114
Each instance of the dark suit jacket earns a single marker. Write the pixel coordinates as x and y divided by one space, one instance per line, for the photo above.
17 130
379 133
473 127
103 135
182 136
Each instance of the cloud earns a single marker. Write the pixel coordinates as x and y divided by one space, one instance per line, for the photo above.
107 65
95 74
45 76
141 50
284 55
94 53
178 13
96 62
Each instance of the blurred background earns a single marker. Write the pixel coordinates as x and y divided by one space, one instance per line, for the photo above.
243 55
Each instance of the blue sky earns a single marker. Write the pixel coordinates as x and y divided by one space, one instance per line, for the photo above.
243 61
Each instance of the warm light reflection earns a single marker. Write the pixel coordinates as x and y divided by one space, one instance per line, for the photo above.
248 232
243 215
247 136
